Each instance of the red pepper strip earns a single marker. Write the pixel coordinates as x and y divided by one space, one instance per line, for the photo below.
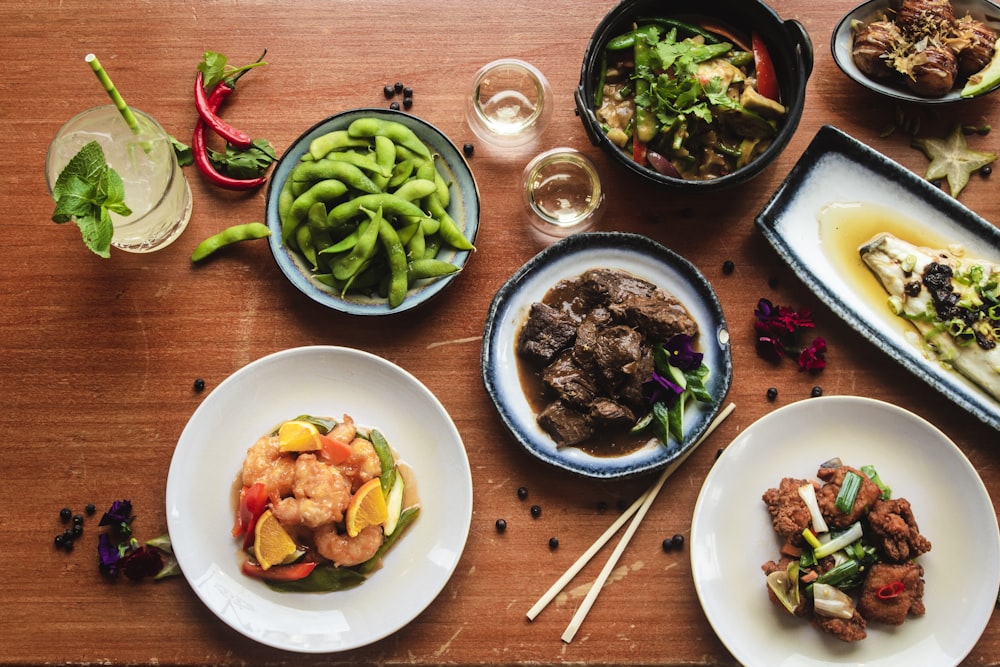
767 79
200 149
253 502
279 572
206 111
890 591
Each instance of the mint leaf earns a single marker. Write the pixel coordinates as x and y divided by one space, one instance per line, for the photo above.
86 190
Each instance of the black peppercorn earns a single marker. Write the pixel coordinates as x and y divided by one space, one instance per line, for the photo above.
677 541
388 91
468 149
77 519
522 492
985 171
65 514
772 393
553 543
90 509
407 102
394 106
398 88
77 529
68 544
501 525
728 267
536 511
59 541
816 391
199 385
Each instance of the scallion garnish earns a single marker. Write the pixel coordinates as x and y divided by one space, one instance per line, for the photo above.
872 474
848 491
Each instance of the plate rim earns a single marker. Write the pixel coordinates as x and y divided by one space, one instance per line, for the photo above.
741 444
593 242
460 517
830 140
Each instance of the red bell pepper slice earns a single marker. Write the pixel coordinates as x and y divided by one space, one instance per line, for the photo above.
253 502
767 79
292 572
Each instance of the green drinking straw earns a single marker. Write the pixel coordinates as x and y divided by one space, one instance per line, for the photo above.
113 93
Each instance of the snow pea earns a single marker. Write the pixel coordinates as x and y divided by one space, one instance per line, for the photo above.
229 236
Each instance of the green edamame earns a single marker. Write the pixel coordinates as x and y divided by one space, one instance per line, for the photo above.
397 132
351 264
320 146
229 236
449 230
322 192
390 205
415 188
398 283
385 156
420 269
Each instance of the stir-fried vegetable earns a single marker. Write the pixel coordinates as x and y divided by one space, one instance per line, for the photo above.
686 102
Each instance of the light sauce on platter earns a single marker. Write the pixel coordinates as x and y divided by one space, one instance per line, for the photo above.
846 226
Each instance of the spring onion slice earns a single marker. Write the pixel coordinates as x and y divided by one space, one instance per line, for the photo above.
872 474
848 491
808 494
852 534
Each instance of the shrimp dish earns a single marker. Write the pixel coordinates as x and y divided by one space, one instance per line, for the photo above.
849 551
320 503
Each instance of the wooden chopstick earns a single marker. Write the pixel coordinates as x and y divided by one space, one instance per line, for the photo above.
639 508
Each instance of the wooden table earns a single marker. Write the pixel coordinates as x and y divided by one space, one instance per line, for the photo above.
99 356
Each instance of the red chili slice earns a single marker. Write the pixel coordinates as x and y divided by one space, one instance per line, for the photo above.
890 591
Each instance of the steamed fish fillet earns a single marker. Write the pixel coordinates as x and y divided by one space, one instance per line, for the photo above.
950 299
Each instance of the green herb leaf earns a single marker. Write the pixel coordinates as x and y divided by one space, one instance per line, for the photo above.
213 67
247 164
85 191
185 156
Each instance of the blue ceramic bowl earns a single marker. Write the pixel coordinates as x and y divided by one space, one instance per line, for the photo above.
463 208
569 258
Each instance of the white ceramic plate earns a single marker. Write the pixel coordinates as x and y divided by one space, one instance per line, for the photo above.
837 168
569 258
842 46
731 535
321 381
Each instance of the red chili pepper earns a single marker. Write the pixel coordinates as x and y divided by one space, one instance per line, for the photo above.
206 111
890 591
767 79
200 149
279 572
253 502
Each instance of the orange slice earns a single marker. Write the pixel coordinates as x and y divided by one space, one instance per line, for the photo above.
299 436
272 545
367 507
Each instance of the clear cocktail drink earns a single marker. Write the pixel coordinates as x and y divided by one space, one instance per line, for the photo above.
155 187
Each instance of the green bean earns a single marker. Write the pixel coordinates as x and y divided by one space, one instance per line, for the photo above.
390 205
645 121
398 283
326 169
229 236
420 269
320 146
350 265
399 133
415 188
324 191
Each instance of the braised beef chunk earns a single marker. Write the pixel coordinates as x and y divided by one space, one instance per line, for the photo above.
545 334
606 412
568 381
893 592
592 338
566 425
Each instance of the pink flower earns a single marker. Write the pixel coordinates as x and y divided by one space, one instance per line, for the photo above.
812 358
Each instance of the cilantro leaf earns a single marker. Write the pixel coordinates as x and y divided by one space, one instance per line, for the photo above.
86 191
213 67
247 164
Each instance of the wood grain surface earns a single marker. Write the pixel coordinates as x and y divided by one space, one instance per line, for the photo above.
98 357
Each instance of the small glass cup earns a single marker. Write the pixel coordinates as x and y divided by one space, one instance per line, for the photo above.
156 189
510 104
562 192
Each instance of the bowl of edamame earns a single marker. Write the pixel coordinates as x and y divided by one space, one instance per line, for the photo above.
372 212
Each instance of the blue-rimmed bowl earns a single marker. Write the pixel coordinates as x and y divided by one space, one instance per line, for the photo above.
463 208
569 258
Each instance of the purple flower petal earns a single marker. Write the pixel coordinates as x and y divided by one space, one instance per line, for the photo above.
119 513
682 354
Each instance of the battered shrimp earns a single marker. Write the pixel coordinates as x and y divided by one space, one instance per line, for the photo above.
346 551
363 464
345 431
321 494
265 464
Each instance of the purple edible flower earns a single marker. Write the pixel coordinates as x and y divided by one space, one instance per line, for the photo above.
812 358
120 514
661 390
682 354
142 562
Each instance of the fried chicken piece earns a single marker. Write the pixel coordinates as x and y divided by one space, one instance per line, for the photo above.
826 495
789 514
845 629
892 607
894 531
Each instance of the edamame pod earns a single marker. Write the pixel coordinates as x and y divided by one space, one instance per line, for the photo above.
350 265
390 205
398 282
229 236
399 133
325 169
415 188
324 191
320 146
421 269
385 156
449 230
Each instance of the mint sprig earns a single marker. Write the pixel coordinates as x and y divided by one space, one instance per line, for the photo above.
86 192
